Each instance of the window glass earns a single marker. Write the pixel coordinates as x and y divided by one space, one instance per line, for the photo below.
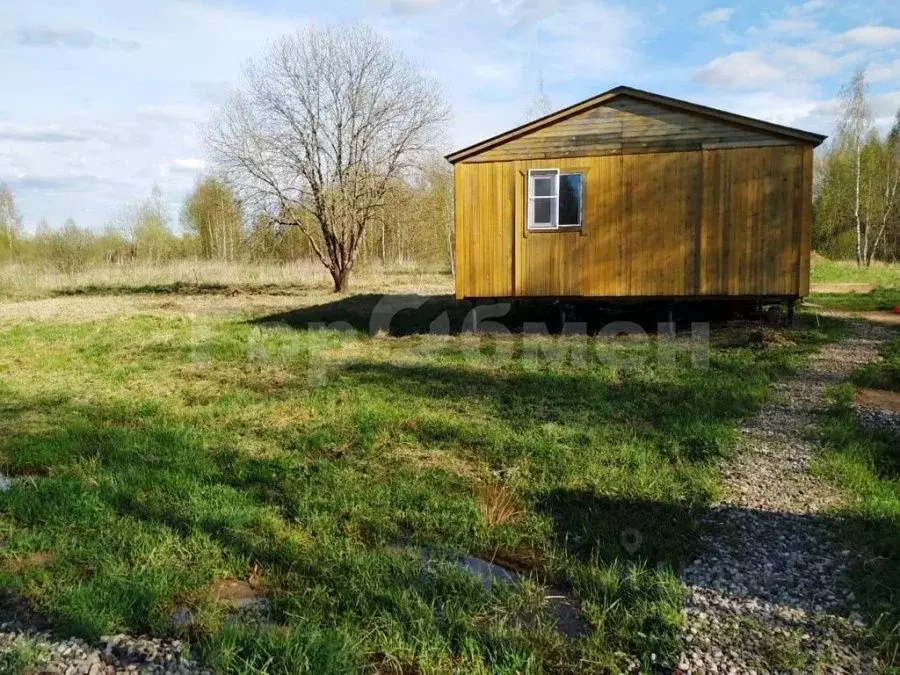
570 198
555 199
543 186
543 211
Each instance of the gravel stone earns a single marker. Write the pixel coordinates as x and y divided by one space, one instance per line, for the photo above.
769 591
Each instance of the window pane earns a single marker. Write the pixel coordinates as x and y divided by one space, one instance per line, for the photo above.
570 199
543 186
543 211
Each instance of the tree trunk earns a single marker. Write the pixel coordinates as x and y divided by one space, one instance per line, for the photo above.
860 253
340 278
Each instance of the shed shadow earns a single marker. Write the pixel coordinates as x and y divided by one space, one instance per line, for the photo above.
403 315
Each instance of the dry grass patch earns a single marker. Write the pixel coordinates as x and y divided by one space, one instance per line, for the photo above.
32 561
497 505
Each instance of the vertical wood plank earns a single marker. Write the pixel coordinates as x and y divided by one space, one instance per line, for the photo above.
710 222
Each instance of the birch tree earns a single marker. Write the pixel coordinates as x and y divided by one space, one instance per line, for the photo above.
10 221
318 130
853 131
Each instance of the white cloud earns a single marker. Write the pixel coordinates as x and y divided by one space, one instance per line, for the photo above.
781 66
884 71
740 70
407 6
498 73
792 25
713 16
189 164
71 38
789 109
872 36
813 5
885 107
27 133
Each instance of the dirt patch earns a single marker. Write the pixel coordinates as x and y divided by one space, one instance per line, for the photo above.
235 593
884 318
31 561
881 318
847 287
879 399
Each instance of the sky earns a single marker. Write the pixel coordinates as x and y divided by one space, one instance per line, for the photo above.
100 100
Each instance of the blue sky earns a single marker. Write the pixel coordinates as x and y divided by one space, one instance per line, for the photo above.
100 100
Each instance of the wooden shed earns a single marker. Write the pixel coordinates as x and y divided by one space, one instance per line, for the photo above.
635 195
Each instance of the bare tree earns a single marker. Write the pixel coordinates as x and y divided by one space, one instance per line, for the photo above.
318 130
540 106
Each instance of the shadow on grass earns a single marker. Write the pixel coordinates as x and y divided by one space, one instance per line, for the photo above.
877 300
401 315
185 288
690 420
594 527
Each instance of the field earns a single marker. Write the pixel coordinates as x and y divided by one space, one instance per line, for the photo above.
165 441
841 271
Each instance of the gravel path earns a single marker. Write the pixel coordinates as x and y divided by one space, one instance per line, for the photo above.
26 646
769 592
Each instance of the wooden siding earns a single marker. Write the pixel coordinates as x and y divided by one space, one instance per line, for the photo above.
626 125
698 223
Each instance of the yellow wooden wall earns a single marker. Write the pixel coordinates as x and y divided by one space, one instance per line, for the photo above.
707 222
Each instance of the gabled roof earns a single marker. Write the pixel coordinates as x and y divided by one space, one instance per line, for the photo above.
738 120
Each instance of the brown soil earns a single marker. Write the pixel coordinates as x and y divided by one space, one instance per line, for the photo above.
235 593
19 565
846 287
884 318
879 399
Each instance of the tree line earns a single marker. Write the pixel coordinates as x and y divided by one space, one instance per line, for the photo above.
857 184
216 225
328 151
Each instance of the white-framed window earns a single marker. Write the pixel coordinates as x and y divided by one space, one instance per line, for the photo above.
555 199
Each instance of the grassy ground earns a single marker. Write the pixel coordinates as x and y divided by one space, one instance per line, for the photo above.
845 271
20 281
883 280
865 463
876 300
156 454
884 374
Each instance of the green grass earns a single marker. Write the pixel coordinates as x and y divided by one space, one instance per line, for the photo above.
22 657
877 300
884 374
153 456
844 271
865 463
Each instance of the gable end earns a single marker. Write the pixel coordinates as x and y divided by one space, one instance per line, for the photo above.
625 121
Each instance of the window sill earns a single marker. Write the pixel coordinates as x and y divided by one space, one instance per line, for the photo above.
566 229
